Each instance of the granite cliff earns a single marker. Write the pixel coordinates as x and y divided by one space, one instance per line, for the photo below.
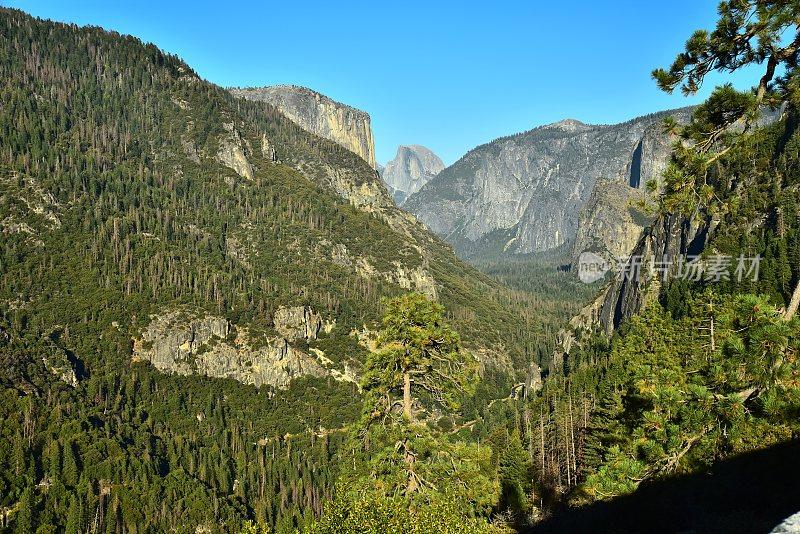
190 342
412 167
320 115
671 238
561 186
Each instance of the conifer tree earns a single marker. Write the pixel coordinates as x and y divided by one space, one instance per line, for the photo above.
418 357
514 471
70 468
747 32
74 516
402 462
23 518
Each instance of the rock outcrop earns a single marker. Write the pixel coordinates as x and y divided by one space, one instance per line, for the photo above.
232 154
545 188
57 362
27 208
412 167
320 115
410 278
297 322
790 526
190 343
668 238
611 221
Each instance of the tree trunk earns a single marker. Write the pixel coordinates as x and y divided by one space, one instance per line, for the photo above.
411 485
566 449
772 62
541 433
407 396
572 441
793 304
711 329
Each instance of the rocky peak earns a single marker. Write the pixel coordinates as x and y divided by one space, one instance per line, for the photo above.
569 125
320 115
538 191
412 167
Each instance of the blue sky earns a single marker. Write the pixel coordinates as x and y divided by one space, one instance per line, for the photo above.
448 75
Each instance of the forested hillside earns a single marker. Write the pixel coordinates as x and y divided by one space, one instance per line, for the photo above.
132 189
702 364
212 320
703 372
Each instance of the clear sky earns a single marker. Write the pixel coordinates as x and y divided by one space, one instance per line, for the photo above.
448 75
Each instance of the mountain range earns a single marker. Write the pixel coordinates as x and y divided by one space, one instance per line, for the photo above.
412 167
219 313
567 187
557 187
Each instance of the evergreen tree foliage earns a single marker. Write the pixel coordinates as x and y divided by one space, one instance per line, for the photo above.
114 206
412 475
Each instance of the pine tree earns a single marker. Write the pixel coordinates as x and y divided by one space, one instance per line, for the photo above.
418 357
18 456
515 480
23 518
605 429
70 469
400 458
747 32
54 461
74 516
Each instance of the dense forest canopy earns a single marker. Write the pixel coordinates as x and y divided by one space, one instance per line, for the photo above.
445 399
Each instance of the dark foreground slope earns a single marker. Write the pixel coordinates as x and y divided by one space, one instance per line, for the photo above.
751 493
130 189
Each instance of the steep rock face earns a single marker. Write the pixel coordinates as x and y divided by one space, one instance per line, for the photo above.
339 169
660 252
669 237
297 322
612 220
232 152
532 188
412 167
610 223
187 344
320 115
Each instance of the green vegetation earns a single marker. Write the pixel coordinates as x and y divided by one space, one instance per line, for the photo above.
706 371
686 400
114 206
407 475
548 287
